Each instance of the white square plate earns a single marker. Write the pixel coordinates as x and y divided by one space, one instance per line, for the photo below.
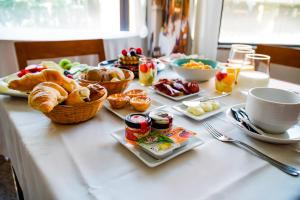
146 158
123 112
178 98
183 109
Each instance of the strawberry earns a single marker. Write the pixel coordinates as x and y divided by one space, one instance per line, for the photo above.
139 51
22 72
221 75
70 76
124 52
33 70
144 68
39 69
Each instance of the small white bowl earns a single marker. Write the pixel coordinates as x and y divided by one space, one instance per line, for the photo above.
273 110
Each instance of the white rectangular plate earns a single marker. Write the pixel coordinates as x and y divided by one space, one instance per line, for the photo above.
146 158
178 98
123 112
183 109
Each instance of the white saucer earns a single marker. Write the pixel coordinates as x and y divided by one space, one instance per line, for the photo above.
290 136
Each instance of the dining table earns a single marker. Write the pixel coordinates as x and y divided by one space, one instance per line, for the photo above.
83 161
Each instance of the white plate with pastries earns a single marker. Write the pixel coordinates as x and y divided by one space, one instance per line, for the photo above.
4 81
123 112
203 111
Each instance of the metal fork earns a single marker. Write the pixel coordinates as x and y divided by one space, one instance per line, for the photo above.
219 136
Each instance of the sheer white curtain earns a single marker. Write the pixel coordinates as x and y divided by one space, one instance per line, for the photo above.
205 20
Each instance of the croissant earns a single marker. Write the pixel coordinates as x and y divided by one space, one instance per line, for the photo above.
78 96
27 82
45 96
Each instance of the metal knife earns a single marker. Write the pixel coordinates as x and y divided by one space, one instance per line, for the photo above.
201 99
243 120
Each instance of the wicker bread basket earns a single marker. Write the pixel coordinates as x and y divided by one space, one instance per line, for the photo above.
65 114
112 87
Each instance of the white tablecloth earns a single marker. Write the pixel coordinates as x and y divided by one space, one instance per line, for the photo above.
84 162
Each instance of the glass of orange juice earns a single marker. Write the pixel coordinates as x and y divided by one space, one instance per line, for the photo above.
231 68
225 80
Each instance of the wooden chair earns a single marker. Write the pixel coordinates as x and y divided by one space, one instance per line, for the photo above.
53 49
281 55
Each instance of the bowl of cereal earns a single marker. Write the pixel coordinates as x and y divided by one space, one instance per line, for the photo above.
195 69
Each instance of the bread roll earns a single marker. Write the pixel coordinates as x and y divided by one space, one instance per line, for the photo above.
78 96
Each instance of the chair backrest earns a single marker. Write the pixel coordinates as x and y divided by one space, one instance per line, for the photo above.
53 49
281 55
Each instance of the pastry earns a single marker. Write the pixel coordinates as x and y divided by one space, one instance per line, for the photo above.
129 59
94 75
45 96
118 100
77 96
140 103
27 82
96 91
116 73
136 93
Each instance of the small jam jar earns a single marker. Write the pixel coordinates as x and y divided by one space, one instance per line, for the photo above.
137 126
162 121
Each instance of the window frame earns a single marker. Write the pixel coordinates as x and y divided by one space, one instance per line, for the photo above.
124 15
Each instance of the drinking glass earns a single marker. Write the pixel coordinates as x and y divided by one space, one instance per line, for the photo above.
259 62
257 78
238 55
238 52
147 71
224 81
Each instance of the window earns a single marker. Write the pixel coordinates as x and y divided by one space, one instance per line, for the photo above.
100 15
261 21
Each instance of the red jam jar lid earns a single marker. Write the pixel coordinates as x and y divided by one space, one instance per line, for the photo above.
138 121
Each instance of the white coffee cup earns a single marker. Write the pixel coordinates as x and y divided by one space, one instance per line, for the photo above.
273 110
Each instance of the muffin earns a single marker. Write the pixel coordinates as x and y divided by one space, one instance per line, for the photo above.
136 93
140 103
118 100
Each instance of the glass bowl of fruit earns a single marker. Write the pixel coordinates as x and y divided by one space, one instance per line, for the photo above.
224 81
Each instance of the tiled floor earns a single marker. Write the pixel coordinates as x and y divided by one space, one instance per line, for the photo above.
7 188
